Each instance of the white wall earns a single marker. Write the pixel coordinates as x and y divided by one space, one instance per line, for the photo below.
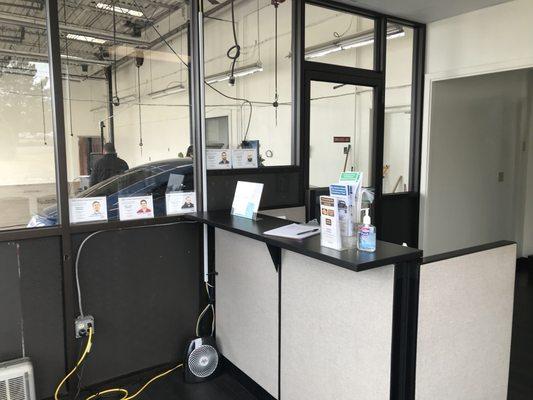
476 132
493 39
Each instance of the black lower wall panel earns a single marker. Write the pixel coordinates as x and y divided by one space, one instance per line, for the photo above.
281 187
31 308
399 218
142 286
10 305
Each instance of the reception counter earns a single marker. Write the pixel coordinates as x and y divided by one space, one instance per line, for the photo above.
309 322
300 321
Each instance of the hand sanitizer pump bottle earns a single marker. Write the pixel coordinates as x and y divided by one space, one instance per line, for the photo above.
366 234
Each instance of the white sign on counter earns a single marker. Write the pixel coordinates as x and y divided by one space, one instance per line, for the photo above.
247 198
88 209
218 158
244 158
137 207
330 234
180 202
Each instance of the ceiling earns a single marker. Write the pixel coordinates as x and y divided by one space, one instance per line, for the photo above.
23 34
424 10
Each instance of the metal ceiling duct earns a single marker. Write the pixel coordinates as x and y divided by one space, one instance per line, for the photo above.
44 57
40 23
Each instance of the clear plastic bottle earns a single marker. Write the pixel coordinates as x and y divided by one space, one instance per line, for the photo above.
366 234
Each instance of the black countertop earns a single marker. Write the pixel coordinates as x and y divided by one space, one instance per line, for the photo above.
385 254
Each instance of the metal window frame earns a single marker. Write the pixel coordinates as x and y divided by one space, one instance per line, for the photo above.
319 71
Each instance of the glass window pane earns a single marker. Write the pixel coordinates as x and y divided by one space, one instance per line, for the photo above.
338 38
397 140
127 110
340 132
254 111
27 180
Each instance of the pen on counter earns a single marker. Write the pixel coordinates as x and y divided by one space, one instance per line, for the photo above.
312 230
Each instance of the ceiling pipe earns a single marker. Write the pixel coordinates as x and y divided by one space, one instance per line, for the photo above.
40 23
44 57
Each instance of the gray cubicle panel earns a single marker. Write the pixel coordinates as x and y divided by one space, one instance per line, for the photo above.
247 307
335 325
465 324
336 331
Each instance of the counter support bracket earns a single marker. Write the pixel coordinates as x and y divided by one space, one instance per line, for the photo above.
275 254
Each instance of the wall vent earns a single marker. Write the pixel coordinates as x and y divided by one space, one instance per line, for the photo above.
16 380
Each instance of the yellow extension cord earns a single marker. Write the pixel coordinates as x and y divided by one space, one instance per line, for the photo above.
108 391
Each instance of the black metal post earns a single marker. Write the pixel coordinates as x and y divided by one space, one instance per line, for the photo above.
197 99
404 330
56 90
110 110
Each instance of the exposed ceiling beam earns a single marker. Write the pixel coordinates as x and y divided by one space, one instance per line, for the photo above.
37 6
44 57
40 23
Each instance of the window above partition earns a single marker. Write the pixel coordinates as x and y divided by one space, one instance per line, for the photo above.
248 84
338 37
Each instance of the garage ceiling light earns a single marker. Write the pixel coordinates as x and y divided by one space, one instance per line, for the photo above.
243 71
119 9
351 42
84 38
169 90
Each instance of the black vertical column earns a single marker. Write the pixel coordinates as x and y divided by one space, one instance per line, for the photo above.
404 330
56 89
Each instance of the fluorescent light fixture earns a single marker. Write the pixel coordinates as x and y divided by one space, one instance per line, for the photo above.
353 41
128 98
239 72
119 9
83 38
168 91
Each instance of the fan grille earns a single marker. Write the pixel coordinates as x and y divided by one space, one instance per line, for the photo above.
203 361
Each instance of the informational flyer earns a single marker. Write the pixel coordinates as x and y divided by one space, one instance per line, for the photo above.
355 180
137 207
330 234
244 158
218 158
180 202
88 209
343 193
247 198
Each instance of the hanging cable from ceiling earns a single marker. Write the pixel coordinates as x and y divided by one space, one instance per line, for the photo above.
68 73
115 98
275 104
139 60
234 52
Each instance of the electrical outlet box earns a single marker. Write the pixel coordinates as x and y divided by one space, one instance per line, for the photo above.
82 325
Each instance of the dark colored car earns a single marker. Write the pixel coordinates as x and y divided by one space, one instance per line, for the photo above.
152 178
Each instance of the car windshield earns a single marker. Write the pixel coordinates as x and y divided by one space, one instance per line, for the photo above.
143 179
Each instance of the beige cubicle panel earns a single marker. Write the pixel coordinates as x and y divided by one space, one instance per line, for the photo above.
247 307
464 326
336 331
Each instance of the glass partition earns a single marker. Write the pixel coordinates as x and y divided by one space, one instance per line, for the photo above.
338 38
397 133
27 178
247 46
341 132
126 94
